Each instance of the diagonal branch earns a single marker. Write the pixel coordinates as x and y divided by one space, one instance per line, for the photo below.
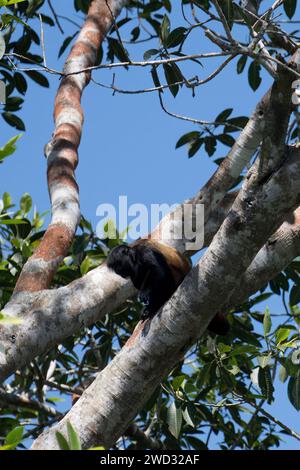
51 316
274 256
62 151
120 390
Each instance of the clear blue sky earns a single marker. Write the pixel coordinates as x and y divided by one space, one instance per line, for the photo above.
128 145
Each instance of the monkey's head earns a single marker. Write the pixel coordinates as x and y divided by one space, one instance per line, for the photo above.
122 260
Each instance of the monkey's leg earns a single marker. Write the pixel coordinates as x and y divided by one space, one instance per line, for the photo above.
219 324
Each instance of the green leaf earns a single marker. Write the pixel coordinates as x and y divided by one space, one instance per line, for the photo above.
254 77
267 322
62 442
227 8
135 33
20 82
14 121
294 391
171 78
150 53
73 437
226 139
26 203
175 37
203 376
194 147
8 447
188 415
8 19
247 337
85 266
7 201
13 104
290 7
283 374
15 436
239 121
264 361
188 138
265 383
9 2
281 335
47 20
65 44
224 115
38 78
155 78
117 49
12 222
174 419
295 295
241 64
165 29
243 349
196 443
245 16
9 148
210 145
177 381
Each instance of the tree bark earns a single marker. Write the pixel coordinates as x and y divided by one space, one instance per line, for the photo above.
105 409
62 150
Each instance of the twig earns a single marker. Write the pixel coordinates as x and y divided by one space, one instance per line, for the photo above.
117 29
224 22
191 83
43 41
272 418
189 119
55 16
24 401
69 20
241 433
95 349
63 388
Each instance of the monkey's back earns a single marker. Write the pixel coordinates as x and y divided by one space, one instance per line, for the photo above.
179 264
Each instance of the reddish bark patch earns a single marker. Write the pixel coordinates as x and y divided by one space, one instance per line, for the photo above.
138 329
34 282
55 243
65 141
54 246
61 171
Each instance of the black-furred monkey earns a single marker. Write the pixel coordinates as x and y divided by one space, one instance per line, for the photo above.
156 270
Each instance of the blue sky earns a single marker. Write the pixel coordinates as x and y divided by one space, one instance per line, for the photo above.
128 144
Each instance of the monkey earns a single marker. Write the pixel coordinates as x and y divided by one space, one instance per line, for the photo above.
156 270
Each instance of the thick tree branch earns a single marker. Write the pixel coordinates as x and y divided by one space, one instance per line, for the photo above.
62 150
51 316
274 256
118 393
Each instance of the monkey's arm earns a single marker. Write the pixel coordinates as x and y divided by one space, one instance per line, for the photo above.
158 284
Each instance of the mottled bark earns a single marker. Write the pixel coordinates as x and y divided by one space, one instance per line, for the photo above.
62 150
54 316
105 409
275 255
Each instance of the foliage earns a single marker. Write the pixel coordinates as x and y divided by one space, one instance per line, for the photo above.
217 388
73 442
211 388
